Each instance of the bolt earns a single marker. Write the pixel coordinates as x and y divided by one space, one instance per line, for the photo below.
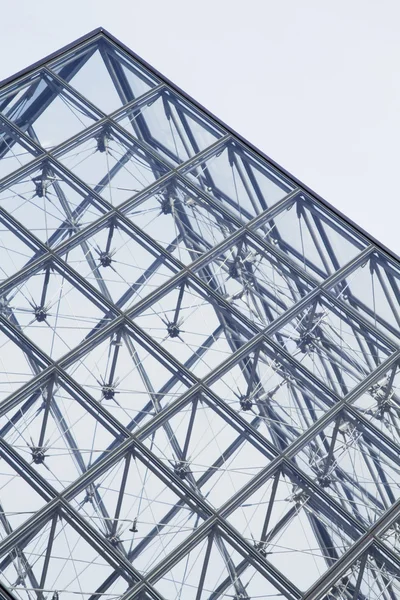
105 259
41 186
245 403
261 548
4 306
234 271
113 539
305 343
40 314
173 330
102 140
108 392
38 455
181 469
324 480
134 528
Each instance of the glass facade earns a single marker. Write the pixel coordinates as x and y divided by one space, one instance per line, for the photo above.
200 381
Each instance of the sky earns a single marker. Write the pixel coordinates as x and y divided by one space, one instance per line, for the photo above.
314 84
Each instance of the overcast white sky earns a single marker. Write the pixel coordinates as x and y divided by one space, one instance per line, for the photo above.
313 83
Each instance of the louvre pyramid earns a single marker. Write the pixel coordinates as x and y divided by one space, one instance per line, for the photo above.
199 391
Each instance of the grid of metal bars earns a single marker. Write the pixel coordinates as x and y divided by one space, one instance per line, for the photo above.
199 392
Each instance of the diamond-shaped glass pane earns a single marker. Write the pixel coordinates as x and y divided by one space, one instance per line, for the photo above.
119 263
113 165
48 203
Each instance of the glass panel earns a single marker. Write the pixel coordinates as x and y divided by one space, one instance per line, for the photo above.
124 375
104 75
16 249
374 576
349 462
73 563
46 112
286 525
32 428
18 363
19 499
214 565
271 395
207 451
239 180
254 281
173 128
14 151
188 323
181 221
48 204
111 164
146 510
380 404
119 264
53 311
337 349
373 289
315 239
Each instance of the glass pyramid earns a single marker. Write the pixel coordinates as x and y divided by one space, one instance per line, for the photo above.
200 382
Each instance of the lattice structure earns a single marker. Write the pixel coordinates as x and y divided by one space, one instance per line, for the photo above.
199 392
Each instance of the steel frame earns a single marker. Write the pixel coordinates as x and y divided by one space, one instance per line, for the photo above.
243 353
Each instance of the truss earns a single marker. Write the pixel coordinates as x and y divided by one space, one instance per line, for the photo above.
200 360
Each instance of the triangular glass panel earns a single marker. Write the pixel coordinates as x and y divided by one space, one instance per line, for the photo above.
43 109
128 378
102 66
113 165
